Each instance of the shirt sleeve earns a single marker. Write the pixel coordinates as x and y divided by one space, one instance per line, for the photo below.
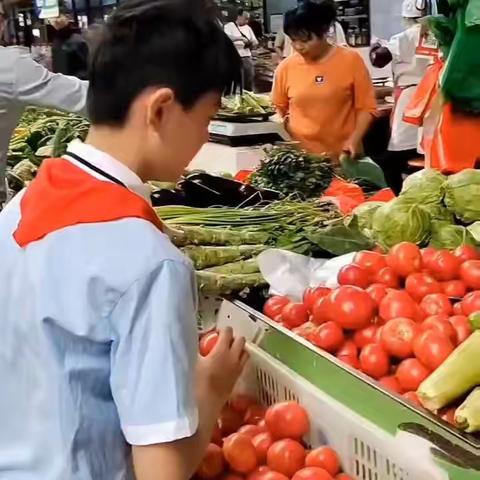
280 89
363 90
154 354
35 85
340 37
233 33
253 38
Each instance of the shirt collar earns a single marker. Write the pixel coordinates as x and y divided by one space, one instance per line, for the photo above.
109 165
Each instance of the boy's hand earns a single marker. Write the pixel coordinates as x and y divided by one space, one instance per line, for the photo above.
220 370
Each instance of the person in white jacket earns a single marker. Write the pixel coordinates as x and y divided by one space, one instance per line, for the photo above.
408 70
242 36
23 82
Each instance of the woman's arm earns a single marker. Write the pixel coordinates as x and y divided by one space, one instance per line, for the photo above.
353 146
280 91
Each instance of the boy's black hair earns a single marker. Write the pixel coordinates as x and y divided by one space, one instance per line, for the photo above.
310 17
159 43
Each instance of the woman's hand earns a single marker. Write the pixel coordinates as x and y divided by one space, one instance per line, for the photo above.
352 147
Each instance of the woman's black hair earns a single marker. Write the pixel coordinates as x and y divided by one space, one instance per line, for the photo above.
158 43
310 17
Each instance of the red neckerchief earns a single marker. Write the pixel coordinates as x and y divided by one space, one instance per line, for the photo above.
63 195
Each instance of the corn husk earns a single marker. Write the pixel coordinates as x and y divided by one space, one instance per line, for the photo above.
467 416
455 377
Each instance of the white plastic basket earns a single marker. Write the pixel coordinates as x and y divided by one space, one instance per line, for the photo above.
367 452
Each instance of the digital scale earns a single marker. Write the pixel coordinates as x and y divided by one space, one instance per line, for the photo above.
237 145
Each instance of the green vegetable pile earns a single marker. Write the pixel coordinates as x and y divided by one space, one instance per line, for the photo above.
41 133
247 103
431 209
223 243
291 171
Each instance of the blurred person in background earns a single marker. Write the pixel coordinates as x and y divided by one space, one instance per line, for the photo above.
69 47
242 36
24 82
323 91
408 70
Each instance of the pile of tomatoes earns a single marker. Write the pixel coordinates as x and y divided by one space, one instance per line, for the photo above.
251 442
395 316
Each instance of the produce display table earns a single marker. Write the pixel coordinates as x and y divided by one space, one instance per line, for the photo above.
385 438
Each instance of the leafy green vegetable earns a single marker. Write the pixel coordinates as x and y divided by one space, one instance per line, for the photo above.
339 239
211 283
363 168
425 187
450 236
401 221
363 216
438 213
474 230
204 257
462 195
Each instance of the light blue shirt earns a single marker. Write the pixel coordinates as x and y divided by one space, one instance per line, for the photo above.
97 351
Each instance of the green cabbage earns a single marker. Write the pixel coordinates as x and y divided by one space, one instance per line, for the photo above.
401 221
425 187
363 215
450 236
438 213
462 195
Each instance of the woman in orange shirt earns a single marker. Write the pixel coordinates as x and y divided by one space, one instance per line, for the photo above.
323 91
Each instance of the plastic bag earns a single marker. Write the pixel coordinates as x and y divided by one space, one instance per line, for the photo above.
460 82
339 187
363 168
472 15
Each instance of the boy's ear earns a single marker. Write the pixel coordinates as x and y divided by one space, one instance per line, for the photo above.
157 102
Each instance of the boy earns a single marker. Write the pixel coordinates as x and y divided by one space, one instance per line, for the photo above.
99 348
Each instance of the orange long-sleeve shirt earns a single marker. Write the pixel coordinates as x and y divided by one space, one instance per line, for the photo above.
322 99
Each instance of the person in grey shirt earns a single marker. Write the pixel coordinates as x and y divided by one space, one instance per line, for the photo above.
24 82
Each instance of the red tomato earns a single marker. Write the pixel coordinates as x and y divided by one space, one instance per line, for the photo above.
377 291
294 314
454 288
351 360
374 361
306 330
405 258
212 463
312 473
264 473
241 403
324 457
240 453
448 415
412 397
470 274
349 348
411 373
457 308
396 304
322 310
343 476
432 348
263 425
254 414
287 420
328 337
445 265
419 285
462 328
217 435
471 303
436 304
230 420
262 442
207 343
274 306
286 456
397 337
388 277
353 275
391 384
467 252
312 295
351 307
427 256
440 323
250 430
232 476
365 336
372 262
